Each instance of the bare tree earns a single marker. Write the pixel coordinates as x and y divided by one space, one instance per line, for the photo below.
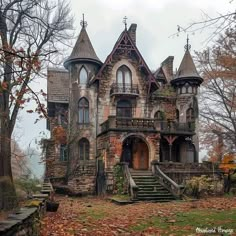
218 95
215 25
30 32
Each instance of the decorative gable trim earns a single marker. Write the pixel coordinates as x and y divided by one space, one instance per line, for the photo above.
125 46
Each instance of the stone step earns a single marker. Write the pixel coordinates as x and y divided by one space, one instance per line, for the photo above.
142 177
156 194
151 188
149 198
153 191
138 173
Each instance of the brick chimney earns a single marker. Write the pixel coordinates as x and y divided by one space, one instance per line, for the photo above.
132 32
168 65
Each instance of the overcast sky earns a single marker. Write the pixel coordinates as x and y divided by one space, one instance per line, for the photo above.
156 20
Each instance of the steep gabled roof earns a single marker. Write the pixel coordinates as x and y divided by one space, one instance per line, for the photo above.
125 44
83 50
159 74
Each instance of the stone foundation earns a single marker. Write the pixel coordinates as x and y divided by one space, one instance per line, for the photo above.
83 180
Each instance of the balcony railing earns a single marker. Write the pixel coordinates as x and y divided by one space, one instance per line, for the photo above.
175 127
114 122
147 124
127 89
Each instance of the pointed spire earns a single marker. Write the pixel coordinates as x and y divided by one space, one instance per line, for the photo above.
125 22
187 67
83 49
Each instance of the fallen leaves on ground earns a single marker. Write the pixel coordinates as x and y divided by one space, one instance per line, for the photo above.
96 216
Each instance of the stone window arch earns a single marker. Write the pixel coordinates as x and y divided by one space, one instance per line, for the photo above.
124 76
83 149
83 76
83 107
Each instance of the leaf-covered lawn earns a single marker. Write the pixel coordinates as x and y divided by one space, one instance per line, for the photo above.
95 216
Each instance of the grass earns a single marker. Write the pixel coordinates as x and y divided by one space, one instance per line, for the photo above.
183 223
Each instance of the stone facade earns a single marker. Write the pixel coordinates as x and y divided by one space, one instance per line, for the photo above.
120 111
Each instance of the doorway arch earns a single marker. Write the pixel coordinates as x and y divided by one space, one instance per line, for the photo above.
135 151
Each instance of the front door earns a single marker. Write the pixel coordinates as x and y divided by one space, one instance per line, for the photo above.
140 156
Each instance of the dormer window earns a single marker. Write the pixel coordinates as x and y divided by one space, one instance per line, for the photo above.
123 76
83 76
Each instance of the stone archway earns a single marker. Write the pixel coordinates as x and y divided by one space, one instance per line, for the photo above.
135 151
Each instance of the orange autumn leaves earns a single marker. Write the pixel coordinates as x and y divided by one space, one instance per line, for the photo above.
59 134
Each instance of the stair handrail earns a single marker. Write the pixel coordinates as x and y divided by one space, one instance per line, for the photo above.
133 188
171 185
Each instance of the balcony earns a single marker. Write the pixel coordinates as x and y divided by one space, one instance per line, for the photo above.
128 124
124 89
114 123
173 127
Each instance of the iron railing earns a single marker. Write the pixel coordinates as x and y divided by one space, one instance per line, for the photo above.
127 89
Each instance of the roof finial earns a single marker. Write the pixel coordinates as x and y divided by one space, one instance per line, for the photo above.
125 22
187 46
83 23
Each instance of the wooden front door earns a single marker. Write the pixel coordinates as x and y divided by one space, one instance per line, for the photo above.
140 156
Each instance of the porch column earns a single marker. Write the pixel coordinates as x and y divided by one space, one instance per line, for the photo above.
170 139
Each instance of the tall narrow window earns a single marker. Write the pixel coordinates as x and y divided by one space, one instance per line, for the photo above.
83 111
83 76
83 149
124 108
177 115
63 153
190 115
123 77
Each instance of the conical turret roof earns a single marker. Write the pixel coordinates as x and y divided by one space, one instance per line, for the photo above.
187 69
83 50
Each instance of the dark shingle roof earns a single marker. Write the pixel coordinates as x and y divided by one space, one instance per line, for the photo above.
58 85
187 67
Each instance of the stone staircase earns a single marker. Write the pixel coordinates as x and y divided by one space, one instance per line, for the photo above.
149 188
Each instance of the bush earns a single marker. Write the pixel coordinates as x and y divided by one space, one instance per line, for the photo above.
27 186
204 186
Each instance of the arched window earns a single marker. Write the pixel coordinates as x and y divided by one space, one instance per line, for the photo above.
83 111
159 115
83 76
183 90
124 108
83 149
190 115
190 89
123 76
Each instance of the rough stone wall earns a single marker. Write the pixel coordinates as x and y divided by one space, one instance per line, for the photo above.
83 180
107 104
82 174
55 169
110 148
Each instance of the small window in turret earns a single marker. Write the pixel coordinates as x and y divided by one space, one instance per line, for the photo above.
83 76
183 89
190 89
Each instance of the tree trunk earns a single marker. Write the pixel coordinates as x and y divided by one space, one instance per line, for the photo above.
7 190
